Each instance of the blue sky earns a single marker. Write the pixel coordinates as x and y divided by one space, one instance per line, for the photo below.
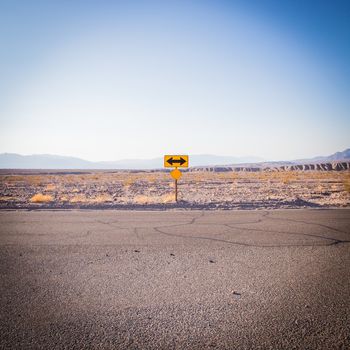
106 80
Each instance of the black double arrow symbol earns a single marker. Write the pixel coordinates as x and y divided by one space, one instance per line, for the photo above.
173 161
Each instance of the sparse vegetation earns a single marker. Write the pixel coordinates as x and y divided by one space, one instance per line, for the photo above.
64 199
319 187
6 199
35 180
50 187
129 181
41 198
14 178
168 198
346 183
78 199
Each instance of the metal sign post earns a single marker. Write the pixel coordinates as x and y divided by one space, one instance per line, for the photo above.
175 190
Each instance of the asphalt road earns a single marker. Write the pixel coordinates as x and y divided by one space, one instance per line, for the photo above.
175 280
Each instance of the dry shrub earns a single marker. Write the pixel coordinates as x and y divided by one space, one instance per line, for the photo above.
234 175
346 184
320 188
95 176
168 198
129 181
335 187
78 199
35 179
227 175
64 199
269 175
50 187
41 198
152 178
14 178
285 177
6 199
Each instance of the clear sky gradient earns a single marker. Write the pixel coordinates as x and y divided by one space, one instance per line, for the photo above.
107 80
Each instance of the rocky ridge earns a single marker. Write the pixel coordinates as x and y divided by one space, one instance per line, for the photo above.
330 166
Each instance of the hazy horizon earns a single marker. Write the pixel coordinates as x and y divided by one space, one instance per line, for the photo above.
109 80
243 159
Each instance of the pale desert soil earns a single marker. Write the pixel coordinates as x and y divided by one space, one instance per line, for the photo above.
155 190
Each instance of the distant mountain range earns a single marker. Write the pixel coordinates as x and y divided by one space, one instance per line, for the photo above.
47 161
345 155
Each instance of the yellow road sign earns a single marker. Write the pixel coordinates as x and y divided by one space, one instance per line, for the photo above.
176 174
176 161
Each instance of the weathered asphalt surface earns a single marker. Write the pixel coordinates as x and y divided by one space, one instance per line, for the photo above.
175 280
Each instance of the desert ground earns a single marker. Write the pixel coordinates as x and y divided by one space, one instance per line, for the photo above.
155 189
